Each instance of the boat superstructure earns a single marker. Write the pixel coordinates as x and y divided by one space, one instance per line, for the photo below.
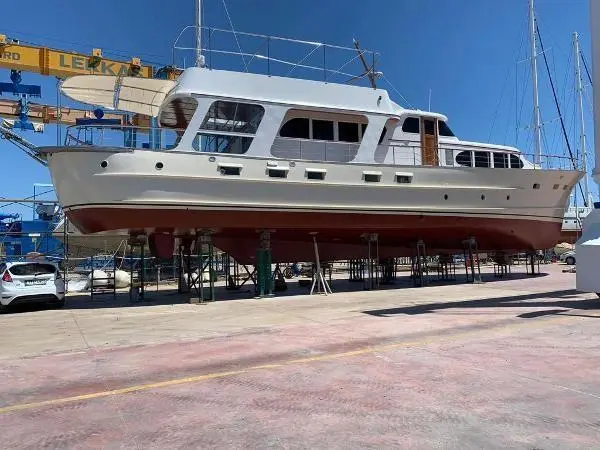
243 153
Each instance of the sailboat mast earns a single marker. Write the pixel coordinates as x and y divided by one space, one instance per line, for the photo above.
199 56
582 143
537 129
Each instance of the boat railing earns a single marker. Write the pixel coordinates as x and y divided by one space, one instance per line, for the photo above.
410 153
124 136
311 150
273 55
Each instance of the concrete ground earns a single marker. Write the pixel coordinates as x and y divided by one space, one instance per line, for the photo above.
508 363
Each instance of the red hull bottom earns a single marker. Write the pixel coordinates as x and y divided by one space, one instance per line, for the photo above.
339 234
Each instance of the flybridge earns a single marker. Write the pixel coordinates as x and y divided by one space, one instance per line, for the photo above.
280 56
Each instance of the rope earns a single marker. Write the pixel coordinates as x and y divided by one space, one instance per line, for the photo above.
562 123
235 36
586 67
397 91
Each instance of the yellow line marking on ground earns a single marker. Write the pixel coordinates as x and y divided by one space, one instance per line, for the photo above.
446 338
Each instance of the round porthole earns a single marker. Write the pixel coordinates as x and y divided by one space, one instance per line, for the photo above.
104 164
445 196
292 164
212 159
508 197
159 165
482 197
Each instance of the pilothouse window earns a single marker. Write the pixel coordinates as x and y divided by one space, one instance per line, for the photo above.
229 127
233 117
411 125
444 129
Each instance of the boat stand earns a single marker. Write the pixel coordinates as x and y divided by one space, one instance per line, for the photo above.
446 269
184 266
419 271
232 273
471 255
532 264
279 280
389 271
356 270
501 265
318 279
137 287
264 277
371 280
206 256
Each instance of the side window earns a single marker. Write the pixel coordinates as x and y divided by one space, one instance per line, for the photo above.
322 130
449 157
348 132
295 128
233 117
500 160
444 129
465 158
482 159
515 162
383 133
229 127
411 125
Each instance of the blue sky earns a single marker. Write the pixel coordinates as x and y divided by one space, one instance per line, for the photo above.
465 51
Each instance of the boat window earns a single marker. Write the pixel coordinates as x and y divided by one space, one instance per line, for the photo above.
464 158
515 162
383 133
178 113
363 129
322 130
296 128
444 129
233 117
348 132
449 157
482 159
217 143
411 125
500 160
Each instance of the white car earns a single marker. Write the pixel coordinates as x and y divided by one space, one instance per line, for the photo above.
568 257
30 282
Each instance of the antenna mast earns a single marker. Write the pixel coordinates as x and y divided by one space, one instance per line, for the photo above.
199 56
537 129
579 88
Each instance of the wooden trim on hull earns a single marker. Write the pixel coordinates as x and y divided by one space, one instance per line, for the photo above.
339 234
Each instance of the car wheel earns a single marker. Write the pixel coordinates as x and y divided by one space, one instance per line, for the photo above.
570 260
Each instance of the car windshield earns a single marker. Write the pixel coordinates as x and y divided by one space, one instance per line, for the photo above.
32 269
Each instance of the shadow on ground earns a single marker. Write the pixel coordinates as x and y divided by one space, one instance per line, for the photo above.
565 299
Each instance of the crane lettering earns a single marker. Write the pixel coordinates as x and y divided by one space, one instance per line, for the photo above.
13 56
82 63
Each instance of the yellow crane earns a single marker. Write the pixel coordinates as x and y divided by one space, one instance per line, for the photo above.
64 64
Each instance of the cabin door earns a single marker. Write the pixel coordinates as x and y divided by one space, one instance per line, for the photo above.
429 142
